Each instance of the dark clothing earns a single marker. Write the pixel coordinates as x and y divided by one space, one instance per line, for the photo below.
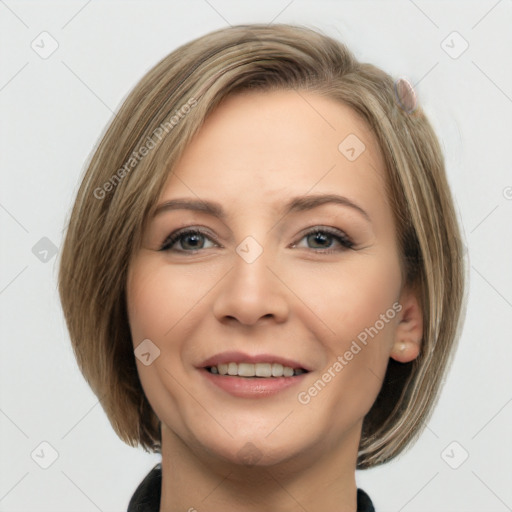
147 496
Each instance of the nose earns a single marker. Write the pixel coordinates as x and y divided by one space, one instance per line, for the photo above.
252 292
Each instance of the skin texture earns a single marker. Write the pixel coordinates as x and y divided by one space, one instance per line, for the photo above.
303 299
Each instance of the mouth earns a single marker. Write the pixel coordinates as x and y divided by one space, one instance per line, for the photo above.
245 375
255 370
253 386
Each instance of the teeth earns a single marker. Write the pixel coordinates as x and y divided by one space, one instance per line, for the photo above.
255 370
263 369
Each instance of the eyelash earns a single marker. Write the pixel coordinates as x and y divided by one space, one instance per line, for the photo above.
338 235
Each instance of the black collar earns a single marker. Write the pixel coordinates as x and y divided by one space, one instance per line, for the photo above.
147 496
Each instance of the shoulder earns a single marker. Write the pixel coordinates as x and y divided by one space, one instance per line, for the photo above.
147 495
364 503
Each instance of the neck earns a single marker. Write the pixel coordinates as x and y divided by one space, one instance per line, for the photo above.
320 479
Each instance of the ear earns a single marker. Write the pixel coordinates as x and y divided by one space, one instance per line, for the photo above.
409 332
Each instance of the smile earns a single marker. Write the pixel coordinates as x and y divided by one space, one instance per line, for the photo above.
256 370
252 385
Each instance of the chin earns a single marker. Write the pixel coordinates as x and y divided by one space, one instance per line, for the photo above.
256 446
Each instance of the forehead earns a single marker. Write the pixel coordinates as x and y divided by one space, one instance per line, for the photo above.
256 146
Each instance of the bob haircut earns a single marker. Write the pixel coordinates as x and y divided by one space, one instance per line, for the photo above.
128 169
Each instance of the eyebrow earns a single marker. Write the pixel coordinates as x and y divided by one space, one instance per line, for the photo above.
295 204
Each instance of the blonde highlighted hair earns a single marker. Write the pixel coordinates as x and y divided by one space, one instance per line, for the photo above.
145 139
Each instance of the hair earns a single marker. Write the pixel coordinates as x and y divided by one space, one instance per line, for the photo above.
153 126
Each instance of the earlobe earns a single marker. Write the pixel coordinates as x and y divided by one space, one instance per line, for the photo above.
405 351
409 332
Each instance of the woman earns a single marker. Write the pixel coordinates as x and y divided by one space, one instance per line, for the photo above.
262 275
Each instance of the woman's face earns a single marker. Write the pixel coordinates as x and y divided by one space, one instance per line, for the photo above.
292 263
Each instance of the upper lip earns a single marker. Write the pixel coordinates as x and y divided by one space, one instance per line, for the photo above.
240 357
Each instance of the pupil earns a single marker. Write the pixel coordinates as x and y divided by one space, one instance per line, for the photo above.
195 238
320 238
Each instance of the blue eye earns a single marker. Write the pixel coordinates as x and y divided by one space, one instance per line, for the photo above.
322 239
190 240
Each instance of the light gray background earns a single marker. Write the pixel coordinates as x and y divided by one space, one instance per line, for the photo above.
52 113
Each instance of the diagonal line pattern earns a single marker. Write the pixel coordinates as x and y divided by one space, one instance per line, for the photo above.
510 400
281 12
492 211
486 14
280 423
87 86
80 419
492 286
492 81
13 77
3 3
13 424
76 14
428 72
508 508
431 431
379 378
12 280
217 486
15 485
81 491
297 91
12 216
424 14
206 1
405 504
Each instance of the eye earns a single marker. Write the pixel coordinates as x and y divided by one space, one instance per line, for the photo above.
322 238
189 239
326 238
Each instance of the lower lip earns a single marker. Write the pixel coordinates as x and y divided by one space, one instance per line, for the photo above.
252 387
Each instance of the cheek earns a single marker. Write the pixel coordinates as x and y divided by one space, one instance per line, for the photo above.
144 302
358 303
162 299
348 298
361 310
162 305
